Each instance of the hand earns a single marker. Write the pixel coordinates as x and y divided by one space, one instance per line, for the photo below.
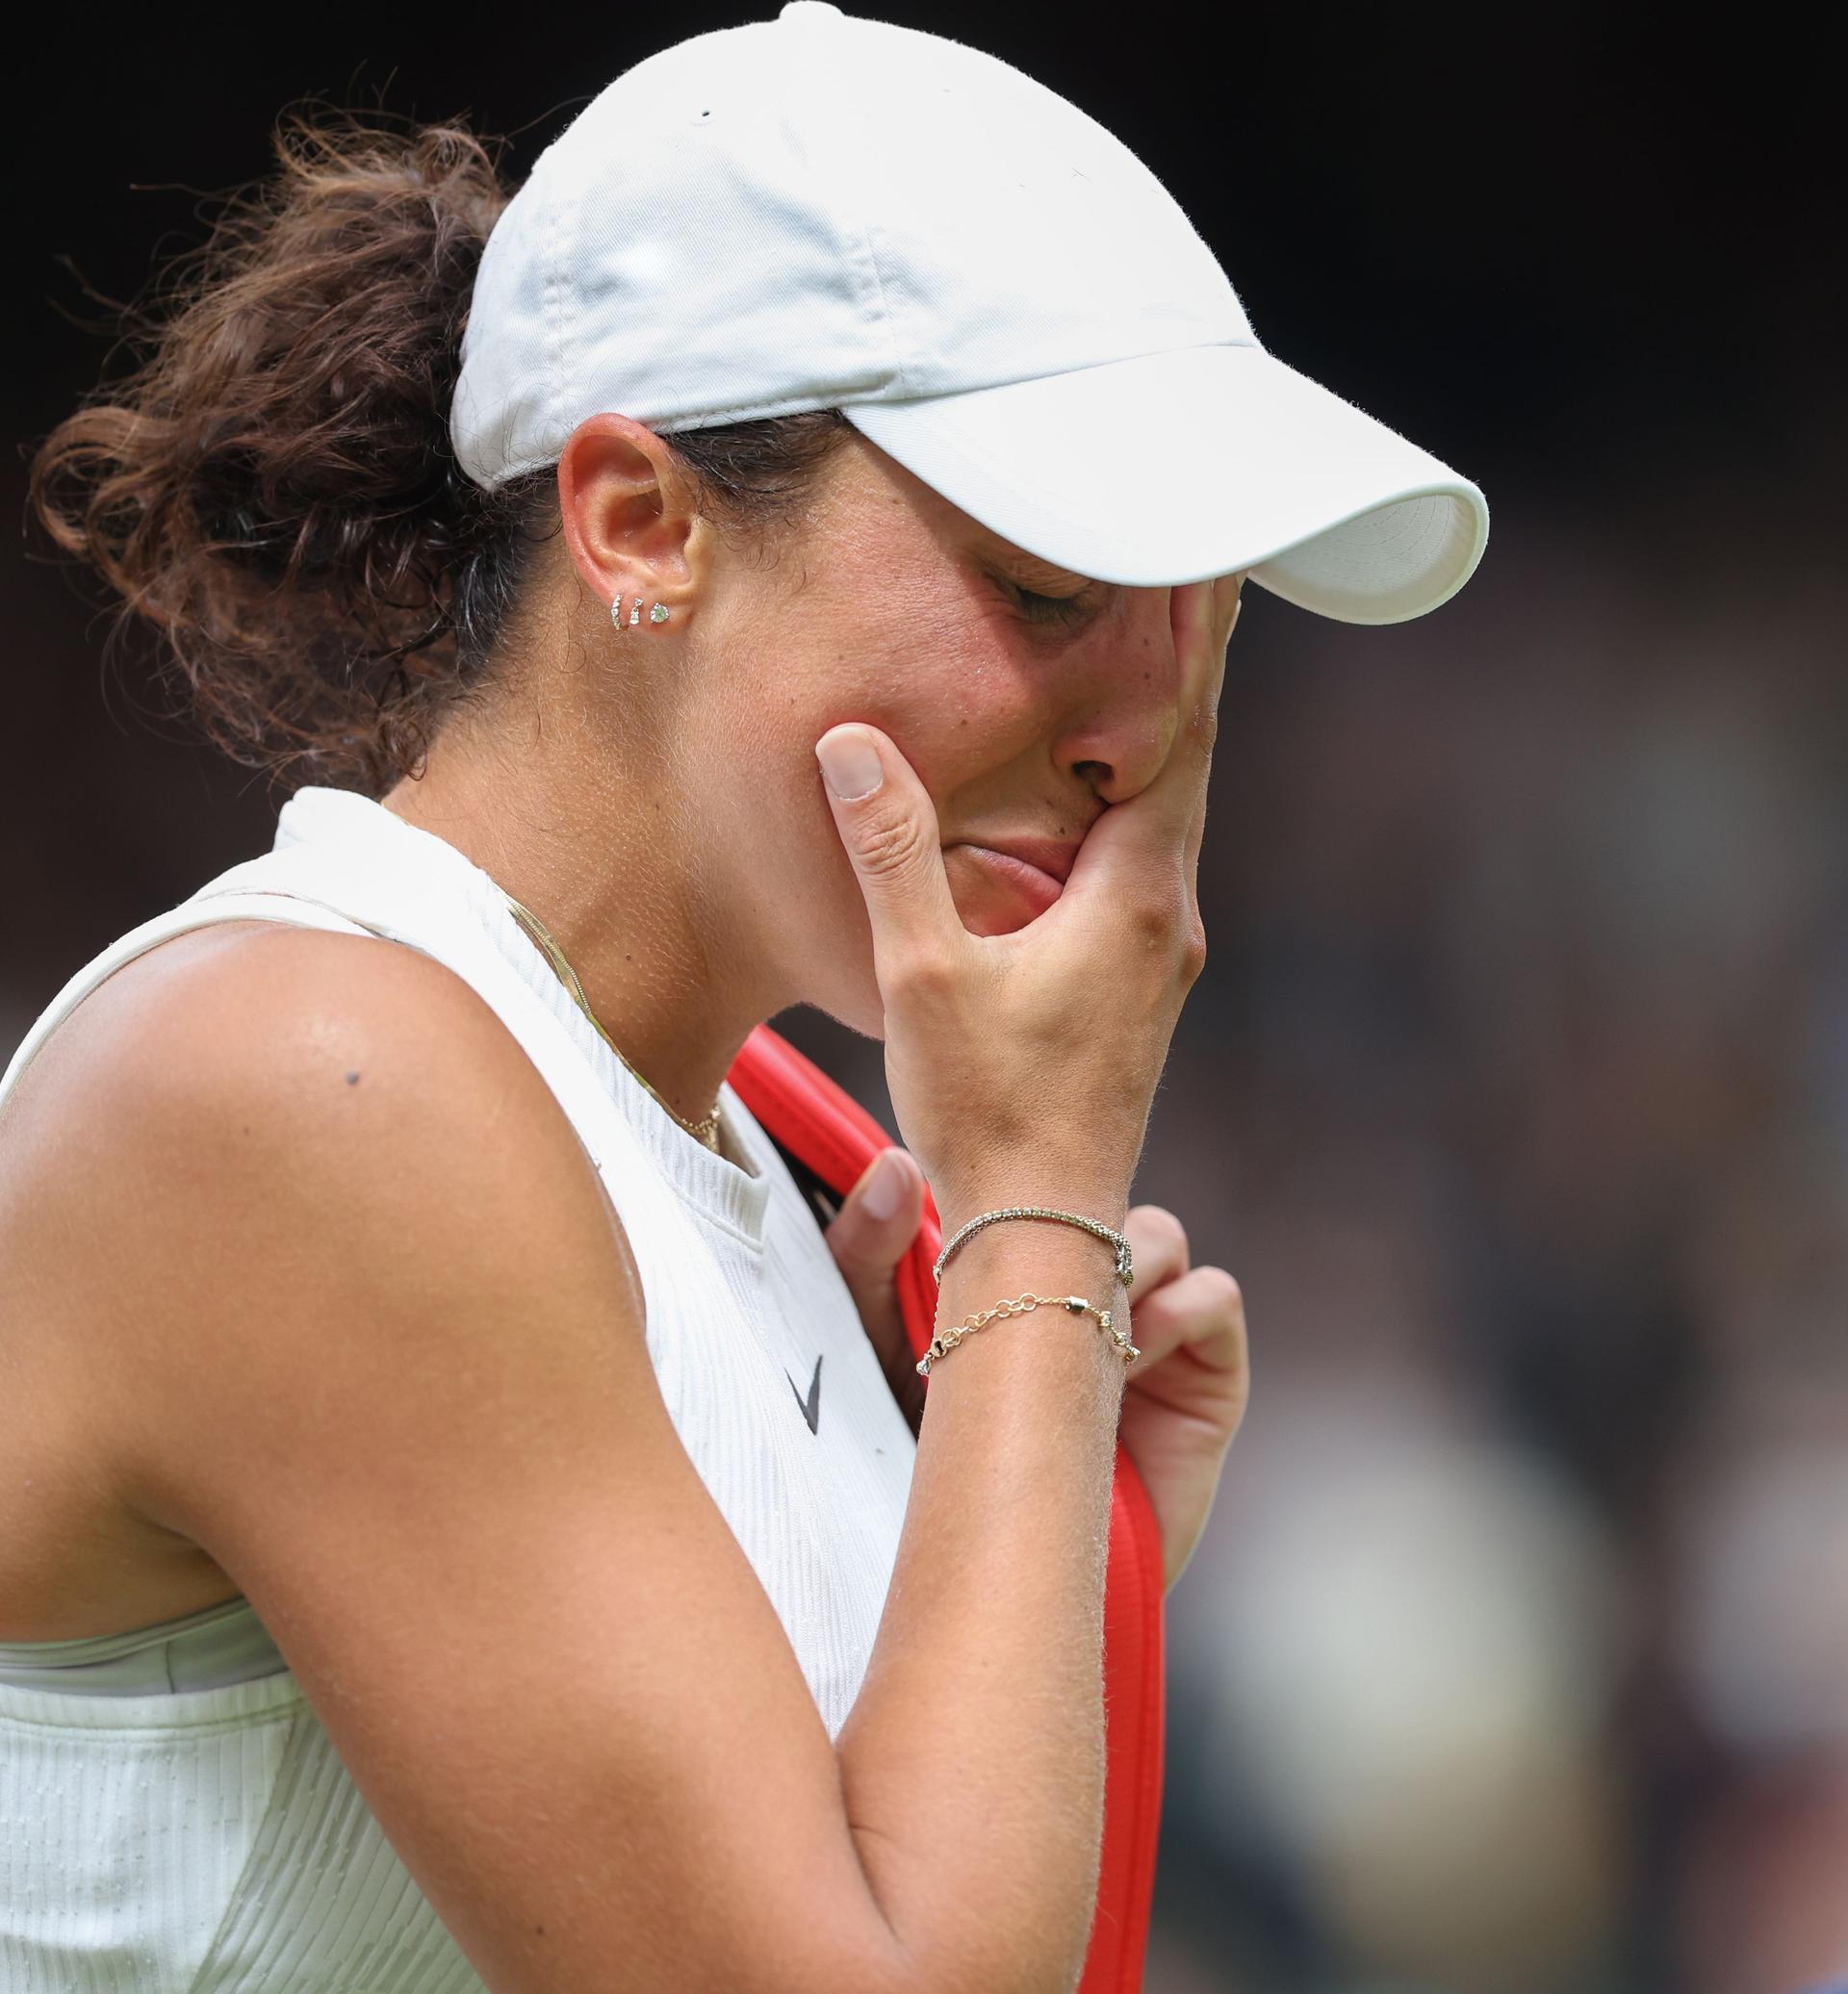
1079 1006
1185 1395
869 1236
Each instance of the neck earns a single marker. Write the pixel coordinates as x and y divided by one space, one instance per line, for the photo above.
598 852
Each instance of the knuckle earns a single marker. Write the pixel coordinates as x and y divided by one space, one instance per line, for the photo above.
1165 923
890 846
1156 915
1149 922
849 1254
1223 1290
927 975
1166 1234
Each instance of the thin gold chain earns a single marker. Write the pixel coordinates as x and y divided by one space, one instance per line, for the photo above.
946 1339
707 1129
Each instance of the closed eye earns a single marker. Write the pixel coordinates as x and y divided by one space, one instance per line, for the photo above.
1050 609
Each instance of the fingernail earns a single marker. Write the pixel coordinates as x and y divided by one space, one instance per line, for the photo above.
850 763
884 1191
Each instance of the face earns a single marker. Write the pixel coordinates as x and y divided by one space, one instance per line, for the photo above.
1027 699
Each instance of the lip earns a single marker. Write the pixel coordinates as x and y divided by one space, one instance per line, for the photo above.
1033 886
1044 855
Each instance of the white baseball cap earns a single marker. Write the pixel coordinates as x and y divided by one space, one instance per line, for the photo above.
825 212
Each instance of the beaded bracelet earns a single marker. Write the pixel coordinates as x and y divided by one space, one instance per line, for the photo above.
946 1340
1126 1272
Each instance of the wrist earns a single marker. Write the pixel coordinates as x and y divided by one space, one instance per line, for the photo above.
1088 1196
1045 1214
1046 1255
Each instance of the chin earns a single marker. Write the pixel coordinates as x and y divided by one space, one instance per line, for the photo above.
848 993
847 990
985 920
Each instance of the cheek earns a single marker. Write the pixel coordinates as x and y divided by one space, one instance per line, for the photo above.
960 711
960 717
955 705
967 722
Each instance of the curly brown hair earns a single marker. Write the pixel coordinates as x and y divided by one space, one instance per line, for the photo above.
272 490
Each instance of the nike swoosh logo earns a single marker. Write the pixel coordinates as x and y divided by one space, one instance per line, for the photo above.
811 1405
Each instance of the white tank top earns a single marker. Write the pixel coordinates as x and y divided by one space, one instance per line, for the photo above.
173 1818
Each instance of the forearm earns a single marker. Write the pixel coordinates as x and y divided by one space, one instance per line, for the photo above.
972 1764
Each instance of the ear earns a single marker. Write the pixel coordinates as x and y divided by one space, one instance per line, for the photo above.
627 511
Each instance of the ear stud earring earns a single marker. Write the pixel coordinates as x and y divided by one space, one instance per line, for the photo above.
658 613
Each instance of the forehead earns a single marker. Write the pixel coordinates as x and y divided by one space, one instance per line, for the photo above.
904 499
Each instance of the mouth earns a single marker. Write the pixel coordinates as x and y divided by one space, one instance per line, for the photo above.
1044 855
1031 871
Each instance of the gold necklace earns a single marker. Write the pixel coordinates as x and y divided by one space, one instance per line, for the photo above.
707 1129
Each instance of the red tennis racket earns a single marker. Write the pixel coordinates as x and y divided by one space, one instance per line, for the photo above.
826 1134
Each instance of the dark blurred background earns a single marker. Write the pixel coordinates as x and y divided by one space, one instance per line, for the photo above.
1515 1656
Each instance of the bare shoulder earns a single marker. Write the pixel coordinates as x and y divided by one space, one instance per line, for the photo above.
126 1145
223 1003
247 1123
219 1010
273 1115
257 1093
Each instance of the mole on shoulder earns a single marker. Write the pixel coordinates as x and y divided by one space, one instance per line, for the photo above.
352 1079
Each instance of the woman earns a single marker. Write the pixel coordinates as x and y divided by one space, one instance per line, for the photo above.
785 565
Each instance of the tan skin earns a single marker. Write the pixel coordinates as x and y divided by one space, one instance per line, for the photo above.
1017 721
1045 728
208 1402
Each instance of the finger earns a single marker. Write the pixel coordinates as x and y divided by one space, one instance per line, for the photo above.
1221 616
889 825
877 1222
1228 598
1202 1311
1160 824
1157 1247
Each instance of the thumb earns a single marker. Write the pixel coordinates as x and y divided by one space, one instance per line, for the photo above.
877 1222
889 825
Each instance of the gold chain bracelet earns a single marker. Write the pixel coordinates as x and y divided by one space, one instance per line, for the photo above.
946 1340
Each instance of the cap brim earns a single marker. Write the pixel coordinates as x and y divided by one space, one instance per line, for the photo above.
1208 460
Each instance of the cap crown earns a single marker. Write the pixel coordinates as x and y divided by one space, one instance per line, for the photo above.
817 211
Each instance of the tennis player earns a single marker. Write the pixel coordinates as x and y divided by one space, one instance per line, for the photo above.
466 1521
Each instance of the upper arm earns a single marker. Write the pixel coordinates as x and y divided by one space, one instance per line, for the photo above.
387 1365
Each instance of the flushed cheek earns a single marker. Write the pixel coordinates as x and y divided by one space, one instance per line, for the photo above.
946 689
967 735
967 718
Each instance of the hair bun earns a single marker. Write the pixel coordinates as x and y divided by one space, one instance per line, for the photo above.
273 488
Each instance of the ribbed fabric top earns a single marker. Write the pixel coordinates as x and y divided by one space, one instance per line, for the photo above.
173 1817
216 1644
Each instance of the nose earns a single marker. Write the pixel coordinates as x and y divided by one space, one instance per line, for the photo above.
1120 697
